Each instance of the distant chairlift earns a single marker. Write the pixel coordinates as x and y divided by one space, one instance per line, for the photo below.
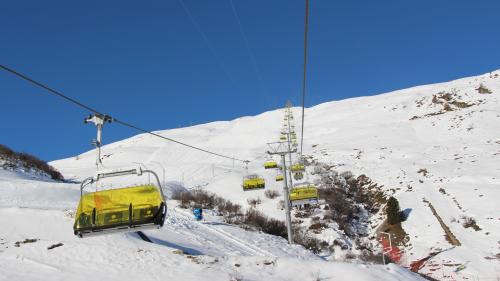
304 194
270 164
253 182
298 167
279 176
123 209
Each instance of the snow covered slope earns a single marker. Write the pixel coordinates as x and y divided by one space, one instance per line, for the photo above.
37 243
435 145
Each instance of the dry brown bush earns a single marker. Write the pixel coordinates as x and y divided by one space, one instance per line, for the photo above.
271 194
30 161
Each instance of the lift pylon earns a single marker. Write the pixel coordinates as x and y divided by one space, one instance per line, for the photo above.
282 149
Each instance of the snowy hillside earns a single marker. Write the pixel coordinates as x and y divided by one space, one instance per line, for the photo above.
435 144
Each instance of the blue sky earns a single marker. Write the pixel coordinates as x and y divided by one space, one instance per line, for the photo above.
151 64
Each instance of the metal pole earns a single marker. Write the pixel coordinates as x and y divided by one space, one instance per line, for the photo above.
162 167
281 149
287 203
390 245
142 164
98 144
289 148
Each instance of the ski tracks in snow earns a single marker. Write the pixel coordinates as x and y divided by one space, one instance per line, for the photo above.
211 233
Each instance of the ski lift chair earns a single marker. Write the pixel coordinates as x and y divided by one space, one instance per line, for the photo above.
304 194
270 164
123 209
253 182
298 167
280 177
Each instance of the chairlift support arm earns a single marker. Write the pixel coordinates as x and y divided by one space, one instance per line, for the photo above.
98 121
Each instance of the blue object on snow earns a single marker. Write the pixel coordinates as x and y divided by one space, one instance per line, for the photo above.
198 214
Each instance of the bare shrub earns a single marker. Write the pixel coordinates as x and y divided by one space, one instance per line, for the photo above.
470 222
281 205
304 213
271 194
30 161
253 202
185 198
309 242
318 225
371 257
229 209
423 171
206 200
272 226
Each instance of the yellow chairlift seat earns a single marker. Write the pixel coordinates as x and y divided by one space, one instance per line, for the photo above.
304 194
120 210
270 164
280 177
282 137
253 182
298 167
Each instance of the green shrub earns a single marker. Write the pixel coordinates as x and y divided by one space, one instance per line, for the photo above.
393 212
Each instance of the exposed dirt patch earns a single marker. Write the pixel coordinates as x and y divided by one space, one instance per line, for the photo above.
483 90
446 101
450 237
26 241
54 246
423 171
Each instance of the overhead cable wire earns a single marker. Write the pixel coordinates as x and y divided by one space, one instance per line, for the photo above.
247 45
306 25
126 124
50 90
207 42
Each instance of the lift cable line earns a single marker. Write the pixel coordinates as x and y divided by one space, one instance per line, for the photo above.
306 25
247 45
75 102
207 42
24 77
